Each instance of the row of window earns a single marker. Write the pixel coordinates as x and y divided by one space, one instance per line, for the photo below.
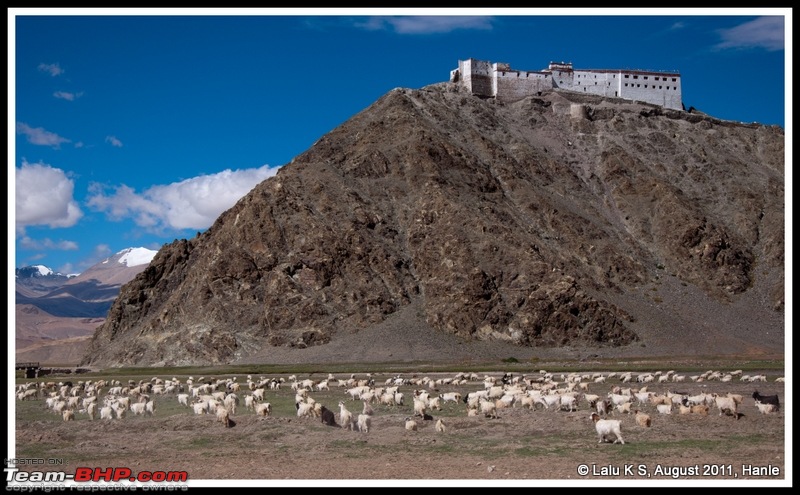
652 85
627 76
674 79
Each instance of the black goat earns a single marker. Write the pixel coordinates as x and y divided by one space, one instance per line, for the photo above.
327 417
767 399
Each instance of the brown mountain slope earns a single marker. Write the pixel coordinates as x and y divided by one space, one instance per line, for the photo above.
50 339
556 222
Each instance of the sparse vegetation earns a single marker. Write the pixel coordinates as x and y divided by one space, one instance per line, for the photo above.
522 443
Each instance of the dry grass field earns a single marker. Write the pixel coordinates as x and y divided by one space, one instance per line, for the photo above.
521 445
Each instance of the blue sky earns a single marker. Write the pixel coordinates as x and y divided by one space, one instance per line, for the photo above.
132 128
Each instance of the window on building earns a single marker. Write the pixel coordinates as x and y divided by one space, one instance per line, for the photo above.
673 79
659 87
638 85
636 77
645 77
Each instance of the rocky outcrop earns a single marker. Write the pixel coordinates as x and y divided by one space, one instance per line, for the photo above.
515 222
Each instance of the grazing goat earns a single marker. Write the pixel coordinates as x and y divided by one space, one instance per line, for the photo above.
766 408
223 416
450 397
767 399
624 408
304 409
607 427
106 412
727 406
263 409
643 419
664 408
489 409
440 426
603 406
411 424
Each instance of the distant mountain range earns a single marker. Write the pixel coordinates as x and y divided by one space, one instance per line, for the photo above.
58 313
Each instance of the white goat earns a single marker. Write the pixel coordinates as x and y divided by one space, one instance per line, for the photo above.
106 413
364 423
664 408
263 409
305 409
420 408
489 409
726 405
223 416
450 397
765 408
607 427
345 416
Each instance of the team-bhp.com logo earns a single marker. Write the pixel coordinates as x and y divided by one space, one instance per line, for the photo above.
57 479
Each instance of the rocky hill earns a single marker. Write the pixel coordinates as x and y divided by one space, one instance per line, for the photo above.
555 224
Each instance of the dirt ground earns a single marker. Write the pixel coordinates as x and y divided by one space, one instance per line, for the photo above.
521 447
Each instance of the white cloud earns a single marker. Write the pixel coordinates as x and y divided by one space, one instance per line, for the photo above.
47 244
764 32
114 141
101 251
64 95
52 69
40 136
190 204
44 197
426 24
98 254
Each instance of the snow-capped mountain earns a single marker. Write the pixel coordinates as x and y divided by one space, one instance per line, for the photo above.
51 306
119 268
36 271
133 257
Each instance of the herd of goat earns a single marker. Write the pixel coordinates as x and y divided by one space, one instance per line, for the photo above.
603 394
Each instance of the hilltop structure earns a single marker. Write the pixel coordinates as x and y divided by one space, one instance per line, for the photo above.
500 81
